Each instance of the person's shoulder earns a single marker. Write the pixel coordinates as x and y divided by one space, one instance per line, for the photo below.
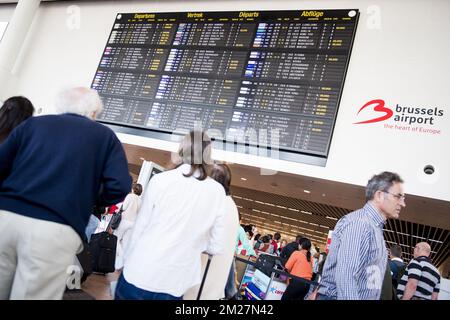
296 253
41 119
165 175
354 217
414 263
359 217
230 201
215 185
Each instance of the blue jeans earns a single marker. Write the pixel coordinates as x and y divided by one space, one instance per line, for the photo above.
127 291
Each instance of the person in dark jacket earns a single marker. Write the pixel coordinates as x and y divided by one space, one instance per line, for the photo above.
13 112
397 265
53 169
290 248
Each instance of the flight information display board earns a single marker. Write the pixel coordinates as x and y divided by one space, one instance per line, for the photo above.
259 78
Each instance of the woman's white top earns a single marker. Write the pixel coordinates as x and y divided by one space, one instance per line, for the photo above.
130 209
219 269
179 219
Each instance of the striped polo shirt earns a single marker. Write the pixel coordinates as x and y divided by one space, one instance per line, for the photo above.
423 270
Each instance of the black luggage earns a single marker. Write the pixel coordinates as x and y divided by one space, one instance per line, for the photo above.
103 252
265 263
85 260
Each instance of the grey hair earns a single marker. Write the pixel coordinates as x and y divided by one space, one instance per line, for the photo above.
382 182
80 100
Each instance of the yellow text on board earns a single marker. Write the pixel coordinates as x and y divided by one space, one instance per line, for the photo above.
144 16
315 14
243 14
195 15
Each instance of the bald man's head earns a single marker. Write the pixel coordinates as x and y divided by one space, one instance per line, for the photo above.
422 249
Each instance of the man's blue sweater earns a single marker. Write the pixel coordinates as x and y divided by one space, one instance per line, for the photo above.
56 167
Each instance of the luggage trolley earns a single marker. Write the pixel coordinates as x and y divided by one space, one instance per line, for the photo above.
259 282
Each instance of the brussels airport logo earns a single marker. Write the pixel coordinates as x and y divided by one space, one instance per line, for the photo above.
403 118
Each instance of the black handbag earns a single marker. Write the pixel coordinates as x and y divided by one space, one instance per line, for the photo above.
116 218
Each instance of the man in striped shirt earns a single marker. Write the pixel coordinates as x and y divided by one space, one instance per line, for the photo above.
421 279
357 257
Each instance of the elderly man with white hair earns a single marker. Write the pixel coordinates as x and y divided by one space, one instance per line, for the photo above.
53 170
421 279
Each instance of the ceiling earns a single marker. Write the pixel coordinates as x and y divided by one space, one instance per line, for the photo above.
279 203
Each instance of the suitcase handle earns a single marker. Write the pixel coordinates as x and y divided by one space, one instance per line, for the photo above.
204 276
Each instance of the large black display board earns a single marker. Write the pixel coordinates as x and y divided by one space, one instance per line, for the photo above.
258 77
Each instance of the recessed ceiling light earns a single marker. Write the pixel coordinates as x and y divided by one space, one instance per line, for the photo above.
243 179
306 191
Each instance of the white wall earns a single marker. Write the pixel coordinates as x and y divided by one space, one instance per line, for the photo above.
6 11
400 55
5 15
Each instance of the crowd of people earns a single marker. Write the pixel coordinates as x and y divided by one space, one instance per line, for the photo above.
61 174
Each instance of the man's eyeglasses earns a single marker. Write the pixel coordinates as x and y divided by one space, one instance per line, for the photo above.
398 196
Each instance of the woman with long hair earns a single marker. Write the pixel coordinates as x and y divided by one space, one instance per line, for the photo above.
181 216
13 112
300 265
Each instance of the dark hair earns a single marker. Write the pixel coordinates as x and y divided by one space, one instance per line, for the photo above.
137 188
381 182
258 235
222 174
305 243
14 111
396 251
298 238
277 236
248 228
195 150
265 239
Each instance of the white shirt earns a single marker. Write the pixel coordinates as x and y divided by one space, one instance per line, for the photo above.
179 219
219 269
130 207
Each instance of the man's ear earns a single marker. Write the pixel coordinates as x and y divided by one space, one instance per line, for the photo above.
378 197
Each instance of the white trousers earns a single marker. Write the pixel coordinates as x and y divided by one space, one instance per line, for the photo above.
35 257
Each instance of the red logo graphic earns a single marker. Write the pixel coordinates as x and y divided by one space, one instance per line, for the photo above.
379 107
